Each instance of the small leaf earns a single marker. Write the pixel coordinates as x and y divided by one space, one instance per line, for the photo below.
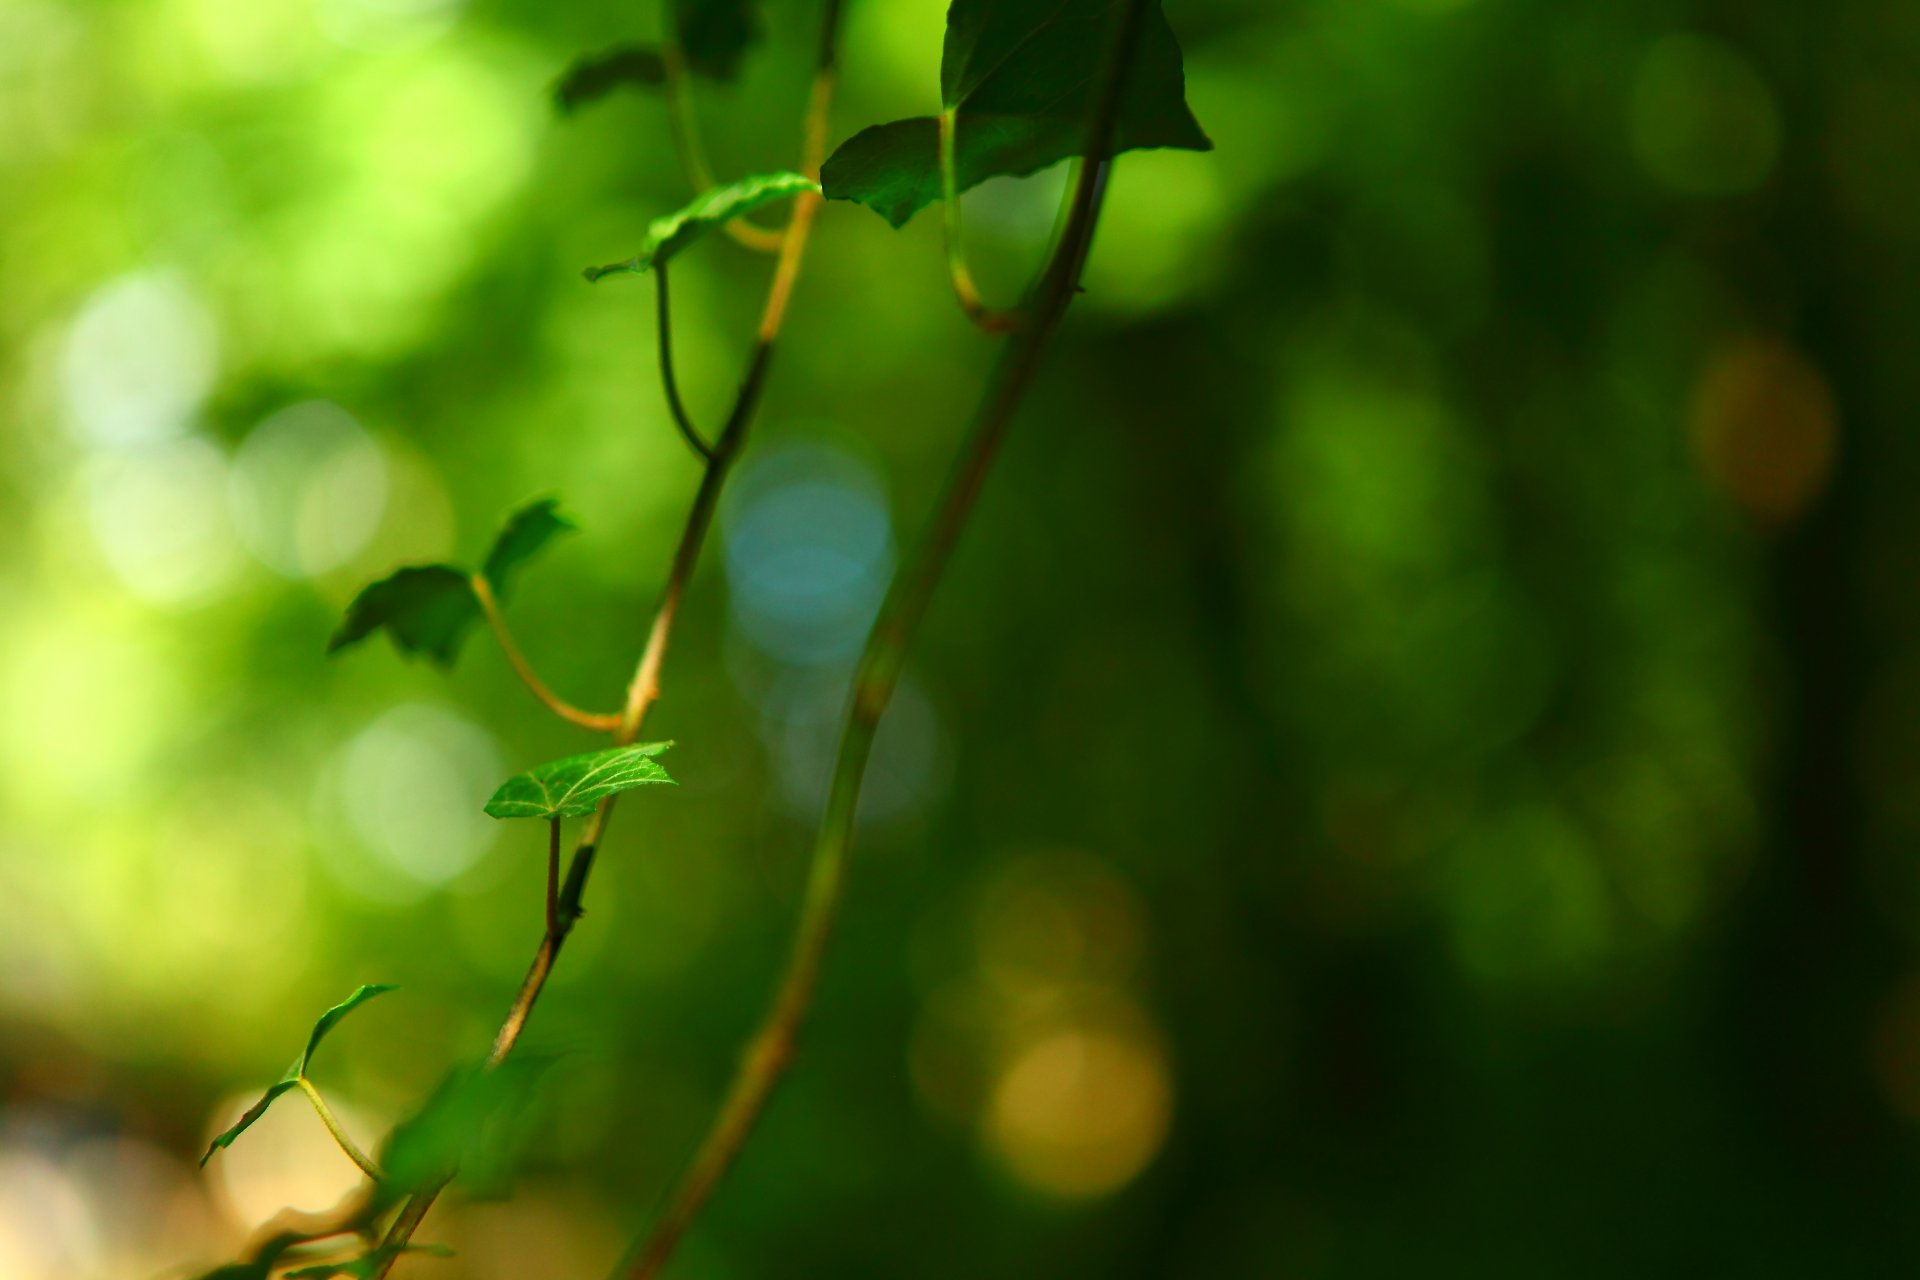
715 34
469 1124
1021 78
525 533
596 75
331 1019
367 1265
573 786
252 1113
426 609
669 235
291 1077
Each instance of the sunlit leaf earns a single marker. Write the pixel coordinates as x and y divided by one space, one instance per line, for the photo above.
596 75
525 533
1021 78
425 609
716 34
717 207
291 1077
573 786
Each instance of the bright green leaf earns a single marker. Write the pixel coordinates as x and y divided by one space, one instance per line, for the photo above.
596 75
525 533
669 235
291 1077
715 34
425 609
573 786
1021 78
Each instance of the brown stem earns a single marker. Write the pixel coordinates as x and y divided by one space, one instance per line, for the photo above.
490 606
878 674
645 686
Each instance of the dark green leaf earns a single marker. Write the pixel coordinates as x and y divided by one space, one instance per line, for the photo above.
251 1114
669 235
526 531
471 1123
367 1265
573 786
1021 78
596 75
715 34
331 1019
426 609
291 1077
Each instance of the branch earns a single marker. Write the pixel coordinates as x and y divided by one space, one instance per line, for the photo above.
878 674
990 319
354 1153
483 591
668 382
644 688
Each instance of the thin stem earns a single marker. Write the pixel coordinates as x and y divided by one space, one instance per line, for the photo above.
354 1153
645 686
553 876
490 606
684 122
668 381
878 674
988 318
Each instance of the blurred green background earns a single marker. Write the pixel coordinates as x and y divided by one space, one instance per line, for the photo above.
1415 770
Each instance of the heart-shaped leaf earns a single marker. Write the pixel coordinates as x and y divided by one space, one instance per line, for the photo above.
573 786
1018 78
596 75
669 235
291 1077
429 608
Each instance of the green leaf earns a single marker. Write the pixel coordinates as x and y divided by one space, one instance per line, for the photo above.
291 1077
425 609
715 34
525 533
669 235
367 1265
596 75
471 1123
1021 78
573 786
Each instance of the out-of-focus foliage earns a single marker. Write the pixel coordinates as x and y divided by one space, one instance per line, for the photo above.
1414 768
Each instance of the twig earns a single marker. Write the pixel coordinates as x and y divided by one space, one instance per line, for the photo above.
644 688
354 1153
490 606
668 382
693 156
878 674
989 319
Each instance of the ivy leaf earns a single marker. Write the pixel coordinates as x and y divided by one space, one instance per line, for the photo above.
471 1123
521 538
425 609
429 608
713 208
1020 78
291 1077
596 75
367 1265
716 34
573 786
